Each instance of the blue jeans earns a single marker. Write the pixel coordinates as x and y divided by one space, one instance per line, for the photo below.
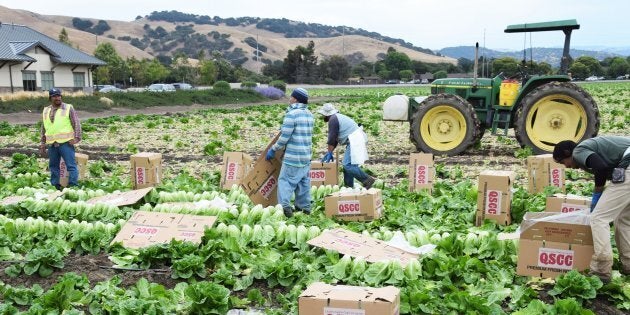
351 171
294 180
65 151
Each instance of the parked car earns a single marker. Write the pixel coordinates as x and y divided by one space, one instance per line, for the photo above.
592 78
110 88
621 77
161 87
183 86
99 87
391 82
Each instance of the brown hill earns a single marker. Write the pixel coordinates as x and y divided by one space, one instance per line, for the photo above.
277 45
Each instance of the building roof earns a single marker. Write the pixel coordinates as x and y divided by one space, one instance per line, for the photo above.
16 40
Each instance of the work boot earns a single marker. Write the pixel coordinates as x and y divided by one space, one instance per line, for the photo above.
59 187
288 212
625 271
605 278
368 182
306 211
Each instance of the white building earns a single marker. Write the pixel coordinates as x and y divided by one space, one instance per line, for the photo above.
32 61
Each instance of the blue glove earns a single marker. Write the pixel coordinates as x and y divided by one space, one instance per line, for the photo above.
595 199
328 157
270 154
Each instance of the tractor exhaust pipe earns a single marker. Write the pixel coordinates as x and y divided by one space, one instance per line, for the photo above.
476 64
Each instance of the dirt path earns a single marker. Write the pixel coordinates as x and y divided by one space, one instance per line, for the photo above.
32 117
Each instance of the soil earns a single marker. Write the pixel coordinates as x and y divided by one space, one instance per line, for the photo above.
32 117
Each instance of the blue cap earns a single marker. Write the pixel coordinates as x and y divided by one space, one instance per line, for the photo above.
301 95
54 92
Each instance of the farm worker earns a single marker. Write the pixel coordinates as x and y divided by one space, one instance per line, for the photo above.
296 138
61 130
607 157
342 130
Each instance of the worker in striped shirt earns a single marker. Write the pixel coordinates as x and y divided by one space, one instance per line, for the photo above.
296 138
60 132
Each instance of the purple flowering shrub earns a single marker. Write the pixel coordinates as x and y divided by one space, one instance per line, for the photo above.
270 92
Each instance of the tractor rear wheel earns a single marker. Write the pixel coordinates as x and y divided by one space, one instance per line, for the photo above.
444 124
554 112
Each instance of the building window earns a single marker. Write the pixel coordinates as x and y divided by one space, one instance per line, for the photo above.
29 80
48 80
79 79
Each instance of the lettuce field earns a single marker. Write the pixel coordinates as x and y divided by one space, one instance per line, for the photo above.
57 257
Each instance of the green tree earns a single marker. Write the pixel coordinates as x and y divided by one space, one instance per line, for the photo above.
440 74
155 71
579 71
182 70
63 37
116 69
396 61
363 69
208 72
542 68
385 74
336 68
300 64
594 67
406 75
465 64
618 66
507 65
420 67
274 70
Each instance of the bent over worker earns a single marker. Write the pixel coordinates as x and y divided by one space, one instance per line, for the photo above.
607 157
343 130
61 130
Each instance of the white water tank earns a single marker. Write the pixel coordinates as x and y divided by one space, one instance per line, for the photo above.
396 108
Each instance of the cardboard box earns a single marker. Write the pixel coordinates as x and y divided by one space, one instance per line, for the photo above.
321 298
235 166
551 248
365 205
261 182
359 245
121 198
421 171
543 171
81 160
324 173
146 169
145 228
494 197
567 203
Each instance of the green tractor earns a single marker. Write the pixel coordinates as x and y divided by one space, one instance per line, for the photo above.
542 109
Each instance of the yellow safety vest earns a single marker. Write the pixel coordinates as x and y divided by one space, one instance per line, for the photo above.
60 130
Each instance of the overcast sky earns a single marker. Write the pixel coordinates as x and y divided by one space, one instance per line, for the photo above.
430 24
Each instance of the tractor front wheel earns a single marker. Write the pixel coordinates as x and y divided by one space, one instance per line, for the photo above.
554 112
444 124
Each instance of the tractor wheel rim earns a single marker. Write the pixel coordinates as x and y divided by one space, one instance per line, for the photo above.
555 118
443 128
